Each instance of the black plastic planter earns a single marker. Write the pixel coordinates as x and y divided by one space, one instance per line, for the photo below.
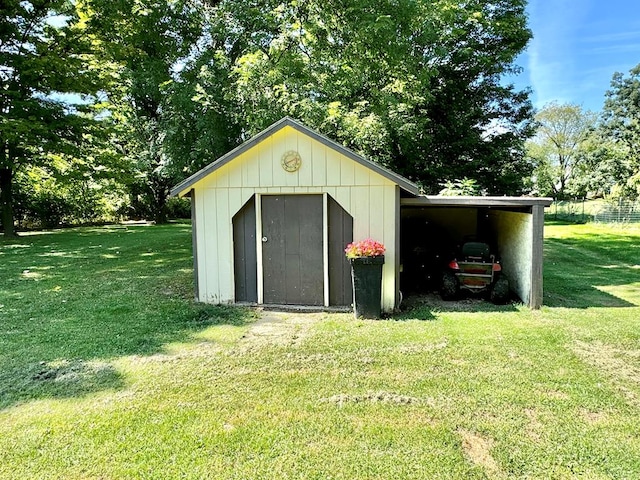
366 275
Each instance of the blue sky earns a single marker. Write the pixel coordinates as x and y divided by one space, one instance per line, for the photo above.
577 47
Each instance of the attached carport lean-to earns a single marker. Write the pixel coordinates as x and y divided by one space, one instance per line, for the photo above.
433 227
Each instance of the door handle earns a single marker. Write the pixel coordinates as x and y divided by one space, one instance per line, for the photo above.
264 239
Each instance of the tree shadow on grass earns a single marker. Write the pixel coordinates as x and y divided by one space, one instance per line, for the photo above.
71 363
57 379
72 302
592 271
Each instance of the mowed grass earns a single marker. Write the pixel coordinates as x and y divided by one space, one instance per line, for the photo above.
109 370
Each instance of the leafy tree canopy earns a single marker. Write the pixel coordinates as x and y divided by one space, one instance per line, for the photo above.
621 124
145 43
46 64
559 149
414 85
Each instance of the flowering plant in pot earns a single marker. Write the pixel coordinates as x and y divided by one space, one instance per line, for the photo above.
366 258
365 248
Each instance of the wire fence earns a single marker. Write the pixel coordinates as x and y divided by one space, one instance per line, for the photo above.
579 211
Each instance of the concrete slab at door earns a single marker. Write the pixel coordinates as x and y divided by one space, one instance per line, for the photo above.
292 253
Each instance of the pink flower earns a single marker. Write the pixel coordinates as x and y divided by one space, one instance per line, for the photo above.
365 248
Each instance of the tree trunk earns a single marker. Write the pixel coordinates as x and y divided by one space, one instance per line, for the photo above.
6 201
160 208
159 193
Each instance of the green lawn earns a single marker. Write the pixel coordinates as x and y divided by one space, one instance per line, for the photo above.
109 370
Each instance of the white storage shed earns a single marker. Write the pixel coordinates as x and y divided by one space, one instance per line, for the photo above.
272 217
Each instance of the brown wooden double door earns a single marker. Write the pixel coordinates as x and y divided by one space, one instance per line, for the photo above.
292 249
293 254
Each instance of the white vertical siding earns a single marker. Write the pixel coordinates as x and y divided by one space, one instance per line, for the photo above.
319 165
369 198
333 167
305 149
201 246
342 195
265 168
282 143
208 262
361 212
233 172
222 180
347 171
224 245
377 214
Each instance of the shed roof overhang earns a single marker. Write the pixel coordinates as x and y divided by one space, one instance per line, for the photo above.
488 202
184 187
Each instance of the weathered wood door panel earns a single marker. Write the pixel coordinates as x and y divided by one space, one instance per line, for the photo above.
245 268
292 249
340 234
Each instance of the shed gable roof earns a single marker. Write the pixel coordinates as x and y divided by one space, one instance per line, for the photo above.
183 187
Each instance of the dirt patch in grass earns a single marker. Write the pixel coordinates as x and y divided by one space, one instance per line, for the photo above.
366 356
557 395
279 329
405 349
203 349
478 449
593 418
56 379
430 303
620 365
377 397
534 426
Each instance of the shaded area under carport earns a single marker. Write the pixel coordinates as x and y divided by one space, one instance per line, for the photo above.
433 228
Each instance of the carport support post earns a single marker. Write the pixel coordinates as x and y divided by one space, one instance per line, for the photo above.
398 295
537 256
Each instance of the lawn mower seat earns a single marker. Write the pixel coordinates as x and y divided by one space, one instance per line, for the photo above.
476 250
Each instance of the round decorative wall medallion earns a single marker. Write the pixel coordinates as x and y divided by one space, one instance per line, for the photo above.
291 161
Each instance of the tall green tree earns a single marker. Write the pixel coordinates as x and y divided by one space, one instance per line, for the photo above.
147 42
201 119
414 85
621 124
600 167
478 124
559 148
45 68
